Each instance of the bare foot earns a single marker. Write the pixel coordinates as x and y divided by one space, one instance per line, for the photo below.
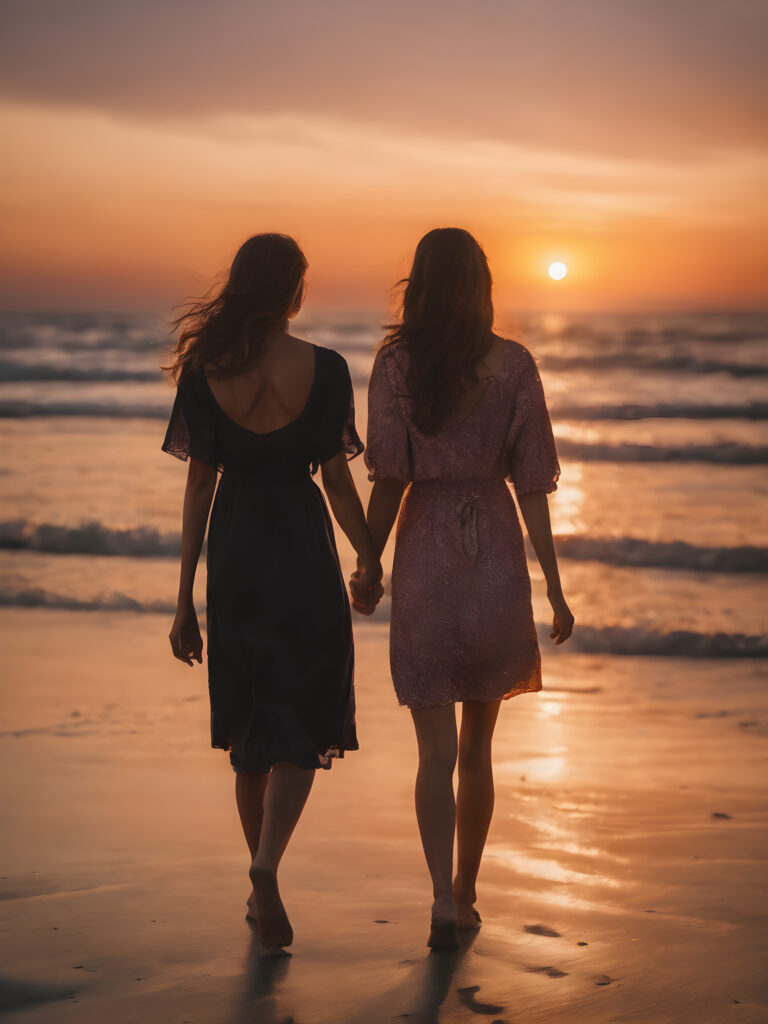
467 916
465 897
442 935
271 918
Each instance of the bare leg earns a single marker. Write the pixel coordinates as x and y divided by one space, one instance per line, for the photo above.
436 813
249 793
474 803
284 799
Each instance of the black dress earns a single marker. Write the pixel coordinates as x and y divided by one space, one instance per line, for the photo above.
280 652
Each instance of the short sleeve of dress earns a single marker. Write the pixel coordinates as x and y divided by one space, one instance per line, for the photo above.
531 452
387 452
339 430
192 426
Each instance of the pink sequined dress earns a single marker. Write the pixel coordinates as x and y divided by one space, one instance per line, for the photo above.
462 624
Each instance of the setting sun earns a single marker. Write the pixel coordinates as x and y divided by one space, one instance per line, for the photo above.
557 271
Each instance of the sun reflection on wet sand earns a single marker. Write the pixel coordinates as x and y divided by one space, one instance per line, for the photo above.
547 870
549 707
583 851
534 769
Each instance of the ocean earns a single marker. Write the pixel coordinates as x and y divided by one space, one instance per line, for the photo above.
626 856
662 428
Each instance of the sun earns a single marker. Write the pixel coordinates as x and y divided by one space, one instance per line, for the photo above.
557 271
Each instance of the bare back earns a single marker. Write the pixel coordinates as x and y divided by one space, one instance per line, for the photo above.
273 393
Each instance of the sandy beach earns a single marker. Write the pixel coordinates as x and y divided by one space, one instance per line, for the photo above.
622 881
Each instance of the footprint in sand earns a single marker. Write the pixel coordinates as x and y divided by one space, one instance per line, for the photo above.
551 972
542 929
467 999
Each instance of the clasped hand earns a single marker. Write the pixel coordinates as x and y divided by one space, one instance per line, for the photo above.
366 590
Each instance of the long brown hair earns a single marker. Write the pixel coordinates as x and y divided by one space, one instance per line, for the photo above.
227 331
445 323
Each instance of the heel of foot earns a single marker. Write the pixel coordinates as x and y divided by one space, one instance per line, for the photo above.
271 919
467 917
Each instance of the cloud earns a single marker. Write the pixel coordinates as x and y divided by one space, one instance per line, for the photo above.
97 203
620 78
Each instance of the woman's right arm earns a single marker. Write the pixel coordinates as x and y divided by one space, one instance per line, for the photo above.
186 641
535 511
383 507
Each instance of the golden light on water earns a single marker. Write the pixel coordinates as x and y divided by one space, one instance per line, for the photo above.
557 271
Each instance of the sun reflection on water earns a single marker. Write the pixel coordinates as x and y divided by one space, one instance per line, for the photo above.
549 707
568 502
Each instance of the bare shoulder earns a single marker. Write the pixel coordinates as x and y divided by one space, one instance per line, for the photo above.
296 348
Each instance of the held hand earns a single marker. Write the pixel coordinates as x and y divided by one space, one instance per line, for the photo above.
562 623
186 642
365 589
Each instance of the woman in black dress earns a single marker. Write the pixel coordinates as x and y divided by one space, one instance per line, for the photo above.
266 409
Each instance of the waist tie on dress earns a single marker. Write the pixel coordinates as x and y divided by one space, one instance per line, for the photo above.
468 507
467 510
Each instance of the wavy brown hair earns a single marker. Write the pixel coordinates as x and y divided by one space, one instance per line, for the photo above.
227 332
445 323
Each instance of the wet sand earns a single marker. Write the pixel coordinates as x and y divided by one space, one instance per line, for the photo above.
624 879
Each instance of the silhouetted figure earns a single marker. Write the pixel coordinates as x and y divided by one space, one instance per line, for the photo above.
267 409
454 411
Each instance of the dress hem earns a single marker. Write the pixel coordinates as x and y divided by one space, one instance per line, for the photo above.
530 686
322 761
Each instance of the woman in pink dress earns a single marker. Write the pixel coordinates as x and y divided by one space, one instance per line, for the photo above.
454 412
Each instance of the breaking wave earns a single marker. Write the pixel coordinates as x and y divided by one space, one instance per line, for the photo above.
616 640
680 643
91 538
23 408
720 452
94 538
39 597
664 410
668 364
13 372
637 553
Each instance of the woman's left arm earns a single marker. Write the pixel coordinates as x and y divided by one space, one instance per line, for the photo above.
186 641
534 507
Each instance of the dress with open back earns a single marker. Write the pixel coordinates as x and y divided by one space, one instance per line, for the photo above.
280 653
462 623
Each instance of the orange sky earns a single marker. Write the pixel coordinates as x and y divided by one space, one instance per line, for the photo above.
143 143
